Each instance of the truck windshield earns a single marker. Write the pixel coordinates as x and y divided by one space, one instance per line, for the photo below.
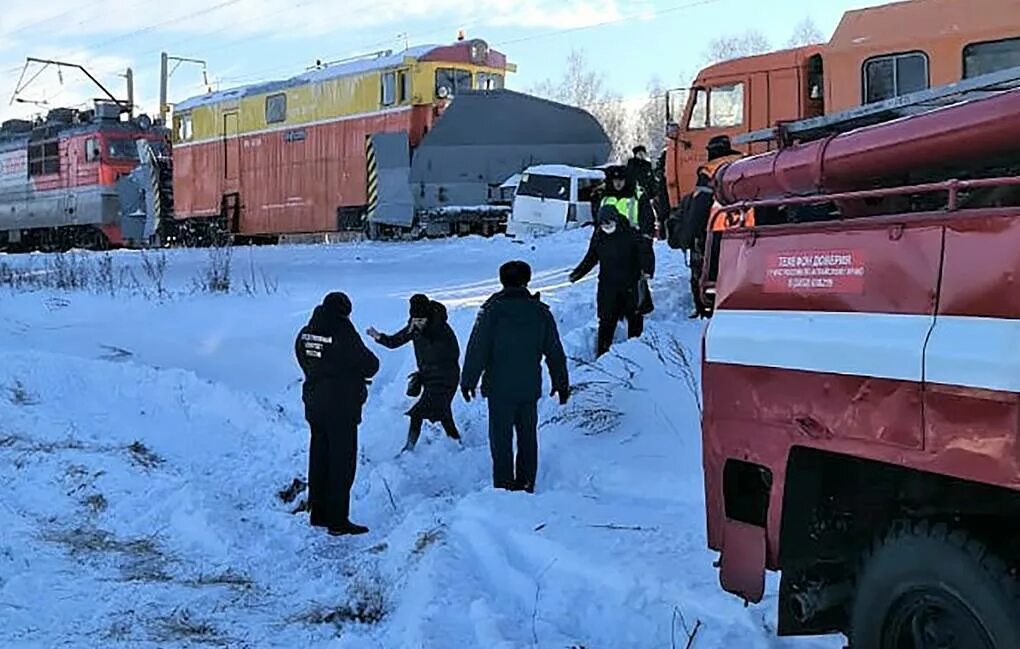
542 186
453 80
121 149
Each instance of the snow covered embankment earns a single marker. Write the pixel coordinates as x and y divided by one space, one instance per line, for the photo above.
141 504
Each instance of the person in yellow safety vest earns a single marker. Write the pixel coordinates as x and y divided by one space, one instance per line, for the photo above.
624 195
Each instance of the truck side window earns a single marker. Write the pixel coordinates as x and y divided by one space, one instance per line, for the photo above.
886 77
726 106
991 56
699 110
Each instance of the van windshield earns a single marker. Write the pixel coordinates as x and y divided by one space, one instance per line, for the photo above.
541 186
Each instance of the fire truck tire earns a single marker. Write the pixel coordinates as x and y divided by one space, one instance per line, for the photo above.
923 585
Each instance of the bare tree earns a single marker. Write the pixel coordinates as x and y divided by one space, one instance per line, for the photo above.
748 43
586 88
805 33
650 120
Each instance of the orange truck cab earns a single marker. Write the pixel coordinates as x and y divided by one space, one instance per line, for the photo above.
875 54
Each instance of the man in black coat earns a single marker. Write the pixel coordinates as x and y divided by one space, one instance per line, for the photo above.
513 332
622 258
438 356
337 368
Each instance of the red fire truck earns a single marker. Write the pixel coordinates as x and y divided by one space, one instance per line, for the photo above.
861 372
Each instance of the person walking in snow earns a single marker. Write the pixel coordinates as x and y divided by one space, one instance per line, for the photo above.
438 356
337 367
514 331
619 252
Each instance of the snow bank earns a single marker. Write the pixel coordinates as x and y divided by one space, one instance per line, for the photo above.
143 443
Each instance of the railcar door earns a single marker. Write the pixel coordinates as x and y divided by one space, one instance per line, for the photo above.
231 150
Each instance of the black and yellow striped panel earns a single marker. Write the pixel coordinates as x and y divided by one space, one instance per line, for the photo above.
373 176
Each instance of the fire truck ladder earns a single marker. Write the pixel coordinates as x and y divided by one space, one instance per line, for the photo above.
980 87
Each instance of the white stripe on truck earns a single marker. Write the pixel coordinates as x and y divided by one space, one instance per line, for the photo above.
962 350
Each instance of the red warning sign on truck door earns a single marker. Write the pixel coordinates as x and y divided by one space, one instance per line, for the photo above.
815 271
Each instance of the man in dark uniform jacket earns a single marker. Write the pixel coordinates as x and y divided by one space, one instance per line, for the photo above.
337 367
512 334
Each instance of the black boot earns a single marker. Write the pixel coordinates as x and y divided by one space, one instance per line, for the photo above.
348 528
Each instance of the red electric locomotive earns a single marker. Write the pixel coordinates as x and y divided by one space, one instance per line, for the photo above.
58 177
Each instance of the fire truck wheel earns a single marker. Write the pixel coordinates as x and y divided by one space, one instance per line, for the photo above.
923 586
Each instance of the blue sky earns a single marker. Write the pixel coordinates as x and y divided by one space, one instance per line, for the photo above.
245 41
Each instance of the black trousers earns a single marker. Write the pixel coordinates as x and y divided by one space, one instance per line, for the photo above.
506 418
414 431
332 462
613 309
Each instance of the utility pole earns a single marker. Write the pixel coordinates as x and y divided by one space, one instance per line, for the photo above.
165 72
129 75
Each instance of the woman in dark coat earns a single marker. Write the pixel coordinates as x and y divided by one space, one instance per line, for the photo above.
619 252
438 356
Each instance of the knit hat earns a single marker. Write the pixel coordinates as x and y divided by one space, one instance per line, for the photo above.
338 303
515 274
420 306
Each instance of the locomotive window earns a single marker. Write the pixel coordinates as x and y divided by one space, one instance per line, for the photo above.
454 81
985 58
91 150
389 89
121 149
726 106
44 158
699 110
886 77
276 108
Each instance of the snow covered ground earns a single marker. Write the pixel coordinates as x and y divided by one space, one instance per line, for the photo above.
146 431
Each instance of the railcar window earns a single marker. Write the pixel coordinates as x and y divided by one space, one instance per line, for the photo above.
453 80
404 86
699 111
389 89
991 56
276 108
44 158
121 149
726 106
488 81
184 128
542 186
886 77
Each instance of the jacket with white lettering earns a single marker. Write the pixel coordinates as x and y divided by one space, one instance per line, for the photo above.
336 363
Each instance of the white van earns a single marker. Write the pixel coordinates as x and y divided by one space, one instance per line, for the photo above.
553 197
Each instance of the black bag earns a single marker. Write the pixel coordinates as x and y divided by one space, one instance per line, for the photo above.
644 297
414 384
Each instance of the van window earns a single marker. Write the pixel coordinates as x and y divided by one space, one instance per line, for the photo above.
585 189
886 77
542 186
389 89
276 108
992 56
